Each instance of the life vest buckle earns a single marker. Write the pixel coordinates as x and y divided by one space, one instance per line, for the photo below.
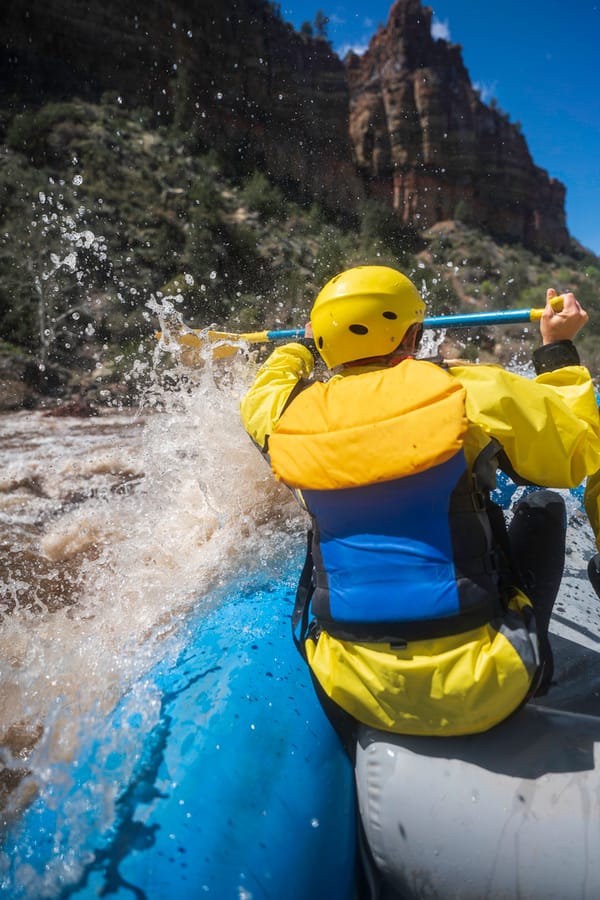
398 644
491 563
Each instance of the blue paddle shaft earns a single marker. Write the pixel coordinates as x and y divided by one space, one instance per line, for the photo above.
467 320
461 320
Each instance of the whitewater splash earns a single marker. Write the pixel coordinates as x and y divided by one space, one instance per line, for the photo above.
114 529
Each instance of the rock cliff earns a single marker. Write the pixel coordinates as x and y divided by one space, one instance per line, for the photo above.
401 123
231 73
423 139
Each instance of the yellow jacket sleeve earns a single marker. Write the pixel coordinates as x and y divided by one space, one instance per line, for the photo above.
548 426
591 502
263 404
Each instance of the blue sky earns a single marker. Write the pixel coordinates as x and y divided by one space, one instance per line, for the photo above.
538 58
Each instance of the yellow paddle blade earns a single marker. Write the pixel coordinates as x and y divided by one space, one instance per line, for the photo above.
251 337
195 343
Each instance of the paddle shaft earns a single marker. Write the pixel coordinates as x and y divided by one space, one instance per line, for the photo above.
226 343
460 320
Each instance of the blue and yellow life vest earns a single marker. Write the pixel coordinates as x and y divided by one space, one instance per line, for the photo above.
402 545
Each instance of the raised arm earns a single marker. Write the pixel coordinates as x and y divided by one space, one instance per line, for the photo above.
277 378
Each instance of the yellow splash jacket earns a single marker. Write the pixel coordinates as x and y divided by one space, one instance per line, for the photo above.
419 630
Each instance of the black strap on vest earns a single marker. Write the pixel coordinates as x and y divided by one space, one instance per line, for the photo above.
341 721
303 594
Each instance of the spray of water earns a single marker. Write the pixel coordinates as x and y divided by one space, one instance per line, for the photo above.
116 528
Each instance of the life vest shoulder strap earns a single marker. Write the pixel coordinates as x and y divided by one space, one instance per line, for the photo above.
304 592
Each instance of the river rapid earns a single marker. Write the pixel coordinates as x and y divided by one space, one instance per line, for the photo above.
112 530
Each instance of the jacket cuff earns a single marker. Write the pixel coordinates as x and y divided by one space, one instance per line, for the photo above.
555 356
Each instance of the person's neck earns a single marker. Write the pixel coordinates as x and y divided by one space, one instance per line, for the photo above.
382 362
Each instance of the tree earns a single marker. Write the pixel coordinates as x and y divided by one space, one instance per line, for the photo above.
321 23
276 10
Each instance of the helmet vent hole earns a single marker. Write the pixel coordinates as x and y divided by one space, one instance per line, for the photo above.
320 343
389 315
358 329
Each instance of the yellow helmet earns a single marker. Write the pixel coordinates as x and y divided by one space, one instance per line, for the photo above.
364 312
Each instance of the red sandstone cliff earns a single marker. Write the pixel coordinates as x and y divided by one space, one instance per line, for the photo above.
424 140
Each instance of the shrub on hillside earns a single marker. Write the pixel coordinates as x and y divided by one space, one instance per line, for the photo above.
259 195
382 228
33 132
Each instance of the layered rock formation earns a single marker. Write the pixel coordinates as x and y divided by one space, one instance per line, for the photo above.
231 73
423 139
402 122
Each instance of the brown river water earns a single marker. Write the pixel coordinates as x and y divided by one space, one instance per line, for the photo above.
112 529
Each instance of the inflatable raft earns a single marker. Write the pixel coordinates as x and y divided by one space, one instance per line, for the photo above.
219 775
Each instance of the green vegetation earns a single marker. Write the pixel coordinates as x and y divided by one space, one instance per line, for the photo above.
318 28
102 214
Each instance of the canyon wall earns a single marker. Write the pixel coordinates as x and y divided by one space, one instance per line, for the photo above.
423 139
230 73
401 123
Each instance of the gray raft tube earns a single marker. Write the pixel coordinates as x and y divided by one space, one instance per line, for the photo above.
512 813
